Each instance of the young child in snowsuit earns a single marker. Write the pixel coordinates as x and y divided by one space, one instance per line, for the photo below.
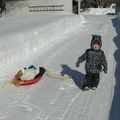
95 63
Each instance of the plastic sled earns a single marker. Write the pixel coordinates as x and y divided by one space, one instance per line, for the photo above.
18 82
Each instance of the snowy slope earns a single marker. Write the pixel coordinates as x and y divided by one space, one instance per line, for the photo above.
55 42
21 39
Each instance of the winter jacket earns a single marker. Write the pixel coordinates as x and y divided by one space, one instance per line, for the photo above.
95 59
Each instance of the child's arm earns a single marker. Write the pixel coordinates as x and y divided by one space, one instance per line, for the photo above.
104 62
81 59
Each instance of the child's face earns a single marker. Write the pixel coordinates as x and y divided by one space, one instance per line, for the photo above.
96 46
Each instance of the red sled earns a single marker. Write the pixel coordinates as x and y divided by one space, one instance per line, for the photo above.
18 82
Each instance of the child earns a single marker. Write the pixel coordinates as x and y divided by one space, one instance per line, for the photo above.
95 63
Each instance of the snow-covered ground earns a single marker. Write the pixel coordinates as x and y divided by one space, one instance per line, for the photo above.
55 42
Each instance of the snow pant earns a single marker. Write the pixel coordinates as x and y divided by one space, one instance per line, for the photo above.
92 79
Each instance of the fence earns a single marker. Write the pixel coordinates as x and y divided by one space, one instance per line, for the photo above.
46 8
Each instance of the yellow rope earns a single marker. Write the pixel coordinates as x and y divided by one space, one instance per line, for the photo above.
56 76
48 73
10 82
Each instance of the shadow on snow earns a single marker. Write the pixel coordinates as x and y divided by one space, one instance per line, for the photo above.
77 76
115 108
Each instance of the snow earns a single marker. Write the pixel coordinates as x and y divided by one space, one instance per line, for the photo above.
99 11
32 35
55 42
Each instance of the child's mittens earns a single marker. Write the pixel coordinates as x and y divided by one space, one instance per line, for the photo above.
77 64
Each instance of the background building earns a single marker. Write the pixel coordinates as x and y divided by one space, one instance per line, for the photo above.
51 5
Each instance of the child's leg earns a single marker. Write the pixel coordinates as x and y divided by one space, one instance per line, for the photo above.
88 78
96 79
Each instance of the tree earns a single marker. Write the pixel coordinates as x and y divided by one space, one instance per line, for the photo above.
97 3
117 10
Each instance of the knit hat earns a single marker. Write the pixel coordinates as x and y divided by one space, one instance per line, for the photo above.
96 39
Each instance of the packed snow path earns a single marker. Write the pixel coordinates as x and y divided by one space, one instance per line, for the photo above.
53 99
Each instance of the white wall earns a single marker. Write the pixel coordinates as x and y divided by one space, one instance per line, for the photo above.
68 5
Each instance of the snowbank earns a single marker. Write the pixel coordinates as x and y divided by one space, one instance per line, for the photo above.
23 37
99 11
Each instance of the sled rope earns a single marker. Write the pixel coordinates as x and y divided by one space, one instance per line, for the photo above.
48 73
56 76
10 82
